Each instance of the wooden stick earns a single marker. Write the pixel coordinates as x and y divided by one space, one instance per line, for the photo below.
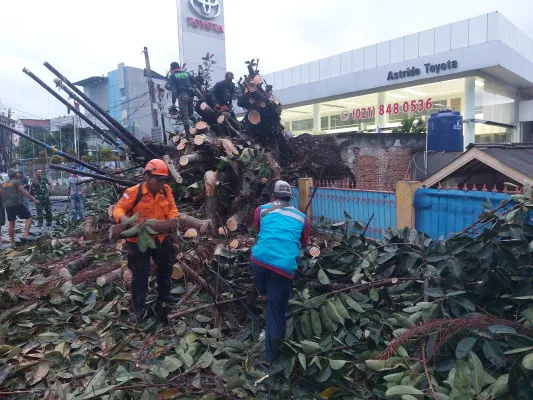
172 168
203 307
109 277
235 220
189 158
210 183
229 147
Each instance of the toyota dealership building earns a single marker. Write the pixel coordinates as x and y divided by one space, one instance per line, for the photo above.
482 67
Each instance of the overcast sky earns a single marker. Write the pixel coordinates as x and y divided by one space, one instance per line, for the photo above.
88 38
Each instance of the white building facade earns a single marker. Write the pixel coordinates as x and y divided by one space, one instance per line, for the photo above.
482 67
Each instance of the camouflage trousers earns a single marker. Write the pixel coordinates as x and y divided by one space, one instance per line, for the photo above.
44 205
185 104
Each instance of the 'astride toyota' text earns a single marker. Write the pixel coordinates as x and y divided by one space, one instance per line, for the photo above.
429 68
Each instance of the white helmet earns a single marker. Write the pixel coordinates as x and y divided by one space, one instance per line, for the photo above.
282 190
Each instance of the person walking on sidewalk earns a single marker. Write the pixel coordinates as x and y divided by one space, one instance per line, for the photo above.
75 194
151 199
42 189
181 87
282 230
10 193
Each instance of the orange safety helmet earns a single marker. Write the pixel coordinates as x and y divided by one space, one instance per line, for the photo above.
156 167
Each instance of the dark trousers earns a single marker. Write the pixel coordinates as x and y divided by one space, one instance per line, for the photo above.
277 289
139 264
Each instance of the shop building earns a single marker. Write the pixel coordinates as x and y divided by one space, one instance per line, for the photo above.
482 67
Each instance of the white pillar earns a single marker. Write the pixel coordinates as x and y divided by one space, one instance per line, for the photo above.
316 117
469 113
381 120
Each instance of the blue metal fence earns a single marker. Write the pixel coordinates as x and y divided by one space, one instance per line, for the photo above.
330 204
442 213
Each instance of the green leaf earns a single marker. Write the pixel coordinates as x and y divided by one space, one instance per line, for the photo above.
352 303
464 347
494 354
48 337
39 373
435 292
461 388
324 375
205 360
187 360
310 347
171 364
396 392
335 365
383 365
519 350
500 387
478 373
97 382
527 362
315 301
455 267
322 277
343 312
374 294
500 329
301 358
316 324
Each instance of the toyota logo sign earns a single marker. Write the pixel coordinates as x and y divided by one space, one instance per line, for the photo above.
345 116
208 9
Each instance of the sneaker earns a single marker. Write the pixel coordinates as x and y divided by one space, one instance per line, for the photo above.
169 299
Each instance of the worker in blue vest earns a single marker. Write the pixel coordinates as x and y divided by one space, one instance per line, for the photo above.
282 231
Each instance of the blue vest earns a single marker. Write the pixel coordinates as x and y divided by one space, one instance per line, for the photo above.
278 243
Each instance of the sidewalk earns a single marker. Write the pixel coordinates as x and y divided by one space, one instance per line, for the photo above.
59 204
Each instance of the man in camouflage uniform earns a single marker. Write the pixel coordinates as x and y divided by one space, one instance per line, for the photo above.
42 189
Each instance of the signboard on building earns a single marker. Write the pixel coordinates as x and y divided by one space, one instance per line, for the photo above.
201 30
428 68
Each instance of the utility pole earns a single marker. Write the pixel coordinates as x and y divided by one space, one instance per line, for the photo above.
156 131
76 145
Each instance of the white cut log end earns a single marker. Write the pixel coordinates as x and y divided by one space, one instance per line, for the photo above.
202 125
314 251
221 119
254 117
192 131
219 249
223 231
111 277
191 233
199 140
64 273
203 106
110 211
177 273
258 79
232 224
234 244
184 161
175 139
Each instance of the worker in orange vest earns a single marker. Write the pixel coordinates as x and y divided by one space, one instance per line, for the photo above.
151 199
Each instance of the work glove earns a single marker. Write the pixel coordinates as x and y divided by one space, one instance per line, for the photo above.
115 231
168 226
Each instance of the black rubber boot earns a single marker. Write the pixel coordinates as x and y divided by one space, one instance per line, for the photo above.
169 299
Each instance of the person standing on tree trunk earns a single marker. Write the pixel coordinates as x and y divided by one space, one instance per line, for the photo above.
10 193
181 85
282 230
42 189
151 199
223 93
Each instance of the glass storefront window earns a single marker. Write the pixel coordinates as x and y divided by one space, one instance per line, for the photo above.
387 109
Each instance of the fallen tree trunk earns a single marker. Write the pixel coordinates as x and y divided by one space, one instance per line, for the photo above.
210 183
201 225
192 158
110 277
172 168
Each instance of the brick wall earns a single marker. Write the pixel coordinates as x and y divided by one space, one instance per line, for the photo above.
378 161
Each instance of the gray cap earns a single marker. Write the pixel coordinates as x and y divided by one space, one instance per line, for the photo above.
282 190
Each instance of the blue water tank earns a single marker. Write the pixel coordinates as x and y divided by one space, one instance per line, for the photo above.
445 131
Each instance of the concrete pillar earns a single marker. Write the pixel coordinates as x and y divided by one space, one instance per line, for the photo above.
316 118
304 194
405 210
381 120
469 113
